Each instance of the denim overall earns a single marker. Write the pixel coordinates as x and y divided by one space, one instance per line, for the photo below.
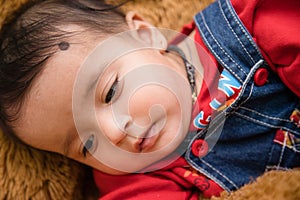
246 148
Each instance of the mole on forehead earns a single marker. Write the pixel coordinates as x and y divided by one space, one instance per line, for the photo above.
64 46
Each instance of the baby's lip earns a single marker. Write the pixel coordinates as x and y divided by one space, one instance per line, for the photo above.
148 139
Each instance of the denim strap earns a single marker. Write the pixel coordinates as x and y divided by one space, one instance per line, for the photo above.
228 40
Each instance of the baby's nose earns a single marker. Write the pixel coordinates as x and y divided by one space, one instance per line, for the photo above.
117 131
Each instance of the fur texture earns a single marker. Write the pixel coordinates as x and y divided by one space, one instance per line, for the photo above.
27 173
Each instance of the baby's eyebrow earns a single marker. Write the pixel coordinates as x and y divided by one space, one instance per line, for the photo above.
91 87
92 84
87 78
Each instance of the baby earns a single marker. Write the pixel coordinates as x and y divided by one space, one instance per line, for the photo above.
156 119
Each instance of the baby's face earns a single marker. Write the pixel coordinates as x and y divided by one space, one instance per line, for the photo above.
117 107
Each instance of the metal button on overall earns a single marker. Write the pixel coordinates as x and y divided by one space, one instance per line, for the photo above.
199 148
261 77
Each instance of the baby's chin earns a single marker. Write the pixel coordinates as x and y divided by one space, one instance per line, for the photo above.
136 168
109 170
155 158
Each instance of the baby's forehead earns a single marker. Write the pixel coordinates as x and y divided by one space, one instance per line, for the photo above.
110 49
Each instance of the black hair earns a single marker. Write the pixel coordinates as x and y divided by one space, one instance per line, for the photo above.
36 33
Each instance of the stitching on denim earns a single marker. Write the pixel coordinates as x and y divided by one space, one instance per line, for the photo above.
204 38
220 173
248 78
243 29
295 145
215 54
213 132
269 167
281 153
214 129
209 175
249 96
206 173
217 43
265 124
264 115
218 116
234 33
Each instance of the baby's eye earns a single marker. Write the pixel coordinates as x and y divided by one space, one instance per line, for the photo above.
112 91
88 145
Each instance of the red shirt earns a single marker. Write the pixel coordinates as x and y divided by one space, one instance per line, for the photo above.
177 181
275 27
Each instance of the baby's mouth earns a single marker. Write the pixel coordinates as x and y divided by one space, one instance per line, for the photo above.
148 140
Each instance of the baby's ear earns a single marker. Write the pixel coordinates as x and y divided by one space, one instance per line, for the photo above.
146 31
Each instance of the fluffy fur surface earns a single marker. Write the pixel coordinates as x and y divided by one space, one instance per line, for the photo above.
27 173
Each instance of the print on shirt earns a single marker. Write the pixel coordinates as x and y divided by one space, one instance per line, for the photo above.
227 85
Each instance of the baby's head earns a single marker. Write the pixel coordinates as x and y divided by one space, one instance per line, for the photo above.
79 78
